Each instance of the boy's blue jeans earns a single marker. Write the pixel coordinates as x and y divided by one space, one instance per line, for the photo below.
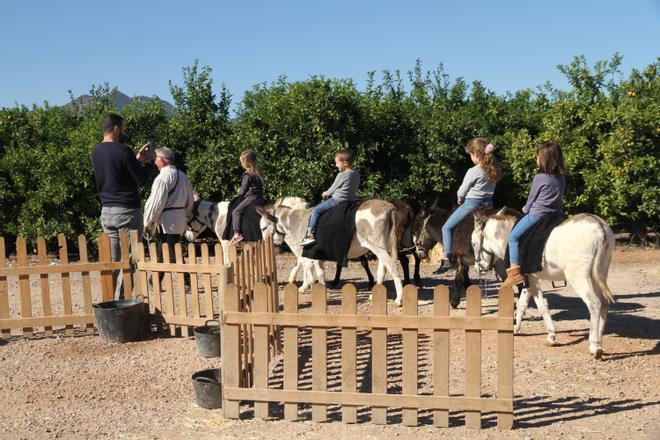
455 218
320 209
518 230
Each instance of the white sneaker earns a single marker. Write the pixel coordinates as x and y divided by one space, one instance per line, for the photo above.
308 239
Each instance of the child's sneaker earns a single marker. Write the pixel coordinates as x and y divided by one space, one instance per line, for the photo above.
447 264
308 239
238 237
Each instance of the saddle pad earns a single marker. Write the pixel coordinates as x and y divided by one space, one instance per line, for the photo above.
334 233
532 243
249 221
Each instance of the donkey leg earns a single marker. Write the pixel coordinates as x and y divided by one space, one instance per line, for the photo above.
542 306
389 263
365 266
294 272
416 276
405 265
308 276
521 308
319 271
585 289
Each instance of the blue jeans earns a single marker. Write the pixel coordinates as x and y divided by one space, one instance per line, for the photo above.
455 218
320 209
518 230
114 219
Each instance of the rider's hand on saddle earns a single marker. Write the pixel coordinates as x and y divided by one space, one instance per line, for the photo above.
325 195
460 202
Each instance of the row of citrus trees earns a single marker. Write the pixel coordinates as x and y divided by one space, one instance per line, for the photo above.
408 130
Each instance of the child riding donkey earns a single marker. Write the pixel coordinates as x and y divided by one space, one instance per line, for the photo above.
344 189
251 191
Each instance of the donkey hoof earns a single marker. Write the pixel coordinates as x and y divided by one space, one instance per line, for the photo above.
552 340
596 351
397 302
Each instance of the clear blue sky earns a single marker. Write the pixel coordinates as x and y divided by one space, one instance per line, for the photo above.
49 47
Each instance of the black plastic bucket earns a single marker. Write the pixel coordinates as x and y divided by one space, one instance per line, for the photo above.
208 392
121 321
207 338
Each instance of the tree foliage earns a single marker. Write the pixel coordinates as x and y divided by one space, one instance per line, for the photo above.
408 130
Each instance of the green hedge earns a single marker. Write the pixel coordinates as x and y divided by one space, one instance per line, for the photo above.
408 130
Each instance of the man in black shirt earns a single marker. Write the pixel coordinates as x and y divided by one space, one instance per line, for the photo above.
118 178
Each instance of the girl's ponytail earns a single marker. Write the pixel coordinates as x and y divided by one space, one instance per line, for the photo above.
485 151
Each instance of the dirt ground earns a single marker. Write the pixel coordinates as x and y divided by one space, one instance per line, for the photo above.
77 387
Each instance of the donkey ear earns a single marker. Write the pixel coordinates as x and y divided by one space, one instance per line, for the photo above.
262 212
479 217
435 204
503 211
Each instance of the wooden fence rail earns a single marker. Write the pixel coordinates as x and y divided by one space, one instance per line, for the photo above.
472 403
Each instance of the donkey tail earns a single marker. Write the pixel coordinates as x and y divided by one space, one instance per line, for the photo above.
393 239
602 260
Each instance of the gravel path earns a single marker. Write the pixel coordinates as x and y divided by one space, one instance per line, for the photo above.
77 387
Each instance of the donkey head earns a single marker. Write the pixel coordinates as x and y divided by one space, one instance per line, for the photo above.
197 224
426 229
268 223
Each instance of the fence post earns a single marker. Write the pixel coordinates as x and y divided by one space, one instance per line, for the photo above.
4 292
126 258
66 282
379 354
194 287
181 289
45 285
261 291
107 284
169 291
473 356
319 352
231 353
86 283
409 365
290 351
505 357
349 351
24 284
441 355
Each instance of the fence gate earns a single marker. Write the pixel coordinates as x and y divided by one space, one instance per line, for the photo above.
286 388
27 289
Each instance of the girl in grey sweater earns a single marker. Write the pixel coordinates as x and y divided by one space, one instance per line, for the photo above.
477 189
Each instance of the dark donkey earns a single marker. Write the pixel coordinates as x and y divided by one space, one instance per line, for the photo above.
428 232
405 216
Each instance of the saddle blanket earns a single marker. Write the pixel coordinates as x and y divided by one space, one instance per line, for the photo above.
533 242
249 221
334 233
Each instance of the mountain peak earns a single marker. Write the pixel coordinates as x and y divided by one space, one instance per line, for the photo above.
120 101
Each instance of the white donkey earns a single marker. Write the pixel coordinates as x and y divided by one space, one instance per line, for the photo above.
207 214
375 231
579 251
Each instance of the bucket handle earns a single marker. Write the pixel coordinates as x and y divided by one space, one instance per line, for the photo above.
206 380
212 320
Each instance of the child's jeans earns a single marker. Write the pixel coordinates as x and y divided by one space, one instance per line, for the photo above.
518 230
455 218
320 209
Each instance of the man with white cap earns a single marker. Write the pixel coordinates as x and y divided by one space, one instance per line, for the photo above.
170 203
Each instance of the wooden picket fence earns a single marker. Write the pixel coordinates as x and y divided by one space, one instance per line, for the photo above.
36 305
472 403
189 294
